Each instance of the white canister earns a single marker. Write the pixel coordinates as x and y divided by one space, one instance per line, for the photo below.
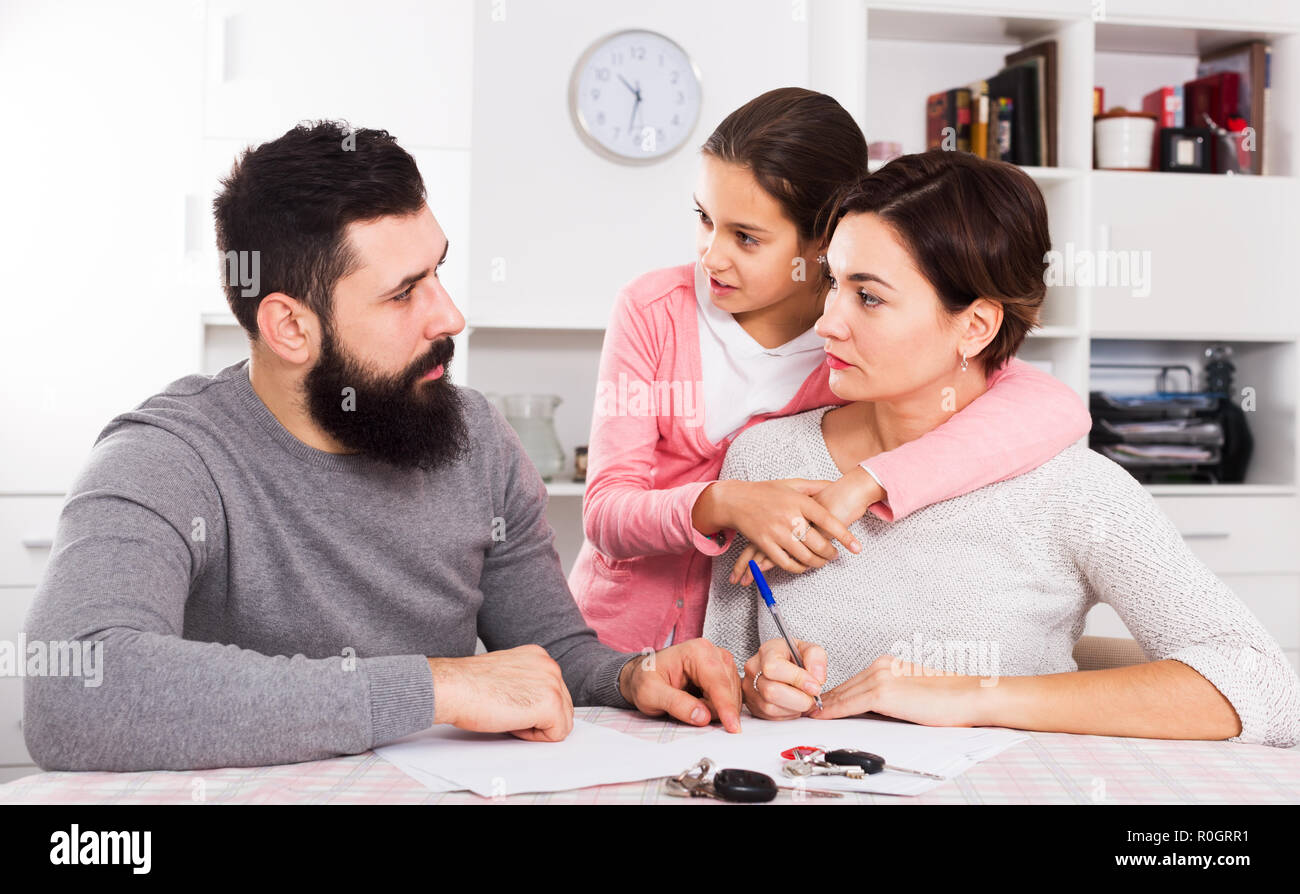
1125 141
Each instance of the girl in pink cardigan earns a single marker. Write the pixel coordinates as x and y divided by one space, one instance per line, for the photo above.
696 354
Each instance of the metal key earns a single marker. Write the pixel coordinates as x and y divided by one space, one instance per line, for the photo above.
800 768
869 763
799 790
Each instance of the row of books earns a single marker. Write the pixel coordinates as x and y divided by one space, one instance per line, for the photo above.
1232 89
1010 116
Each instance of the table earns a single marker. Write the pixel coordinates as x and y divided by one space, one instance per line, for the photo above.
1048 768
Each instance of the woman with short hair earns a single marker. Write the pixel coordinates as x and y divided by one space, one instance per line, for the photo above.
966 612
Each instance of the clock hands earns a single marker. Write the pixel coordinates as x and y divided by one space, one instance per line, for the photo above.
631 121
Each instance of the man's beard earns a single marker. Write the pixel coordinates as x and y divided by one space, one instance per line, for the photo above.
398 419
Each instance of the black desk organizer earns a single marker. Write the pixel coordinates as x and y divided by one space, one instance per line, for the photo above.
1208 420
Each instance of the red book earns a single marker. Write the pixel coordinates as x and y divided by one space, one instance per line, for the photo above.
1214 95
1162 103
937 112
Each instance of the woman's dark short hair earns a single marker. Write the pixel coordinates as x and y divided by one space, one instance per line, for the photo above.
801 146
974 228
291 200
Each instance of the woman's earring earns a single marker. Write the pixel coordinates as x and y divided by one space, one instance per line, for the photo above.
963 361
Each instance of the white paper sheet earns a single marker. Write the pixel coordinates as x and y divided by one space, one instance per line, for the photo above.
948 751
449 759
501 764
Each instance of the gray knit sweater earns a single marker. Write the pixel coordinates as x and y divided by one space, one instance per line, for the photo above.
260 601
999 581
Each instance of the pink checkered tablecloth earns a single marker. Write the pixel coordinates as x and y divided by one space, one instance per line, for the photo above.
1048 768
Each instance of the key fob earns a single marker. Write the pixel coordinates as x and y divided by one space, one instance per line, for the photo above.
851 757
744 786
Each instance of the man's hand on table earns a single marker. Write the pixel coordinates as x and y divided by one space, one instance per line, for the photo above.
518 691
695 682
521 691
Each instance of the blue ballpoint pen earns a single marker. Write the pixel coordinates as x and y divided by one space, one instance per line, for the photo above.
766 591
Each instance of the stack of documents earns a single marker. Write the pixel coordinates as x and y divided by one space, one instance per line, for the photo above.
448 759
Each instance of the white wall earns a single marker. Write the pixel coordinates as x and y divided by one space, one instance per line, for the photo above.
120 119
572 226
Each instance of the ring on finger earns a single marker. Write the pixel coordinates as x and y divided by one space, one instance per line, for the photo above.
756 676
799 529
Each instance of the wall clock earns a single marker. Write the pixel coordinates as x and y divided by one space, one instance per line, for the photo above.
635 96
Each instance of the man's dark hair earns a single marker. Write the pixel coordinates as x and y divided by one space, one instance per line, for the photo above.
291 200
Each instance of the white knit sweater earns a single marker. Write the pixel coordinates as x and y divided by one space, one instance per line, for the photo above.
998 582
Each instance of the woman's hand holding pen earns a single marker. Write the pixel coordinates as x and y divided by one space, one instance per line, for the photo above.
784 691
846 499
773 515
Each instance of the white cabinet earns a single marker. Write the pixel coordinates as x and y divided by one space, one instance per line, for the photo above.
1238 535
13 750
399 65
1207 250
14 602
1274 599
26 533
26 528
1250 544
91 240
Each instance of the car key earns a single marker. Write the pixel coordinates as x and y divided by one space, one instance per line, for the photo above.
868 762
705 780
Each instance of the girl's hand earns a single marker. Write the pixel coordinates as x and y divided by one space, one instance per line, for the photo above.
908 691
740 572
773 516
846 499
784 691
849 498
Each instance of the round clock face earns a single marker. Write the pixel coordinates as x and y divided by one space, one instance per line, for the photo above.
635 96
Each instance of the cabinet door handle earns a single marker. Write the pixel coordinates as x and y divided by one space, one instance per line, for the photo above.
38 542
1204 535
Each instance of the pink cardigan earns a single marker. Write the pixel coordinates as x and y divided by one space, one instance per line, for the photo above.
643 568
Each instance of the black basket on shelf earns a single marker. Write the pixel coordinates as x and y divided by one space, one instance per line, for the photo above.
1168 436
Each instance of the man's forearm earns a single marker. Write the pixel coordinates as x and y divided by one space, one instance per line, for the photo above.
166 703
1159 699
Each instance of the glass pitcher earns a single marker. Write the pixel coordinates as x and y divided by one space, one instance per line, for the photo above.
532 416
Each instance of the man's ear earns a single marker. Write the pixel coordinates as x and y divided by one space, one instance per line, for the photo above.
983 322
288 327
